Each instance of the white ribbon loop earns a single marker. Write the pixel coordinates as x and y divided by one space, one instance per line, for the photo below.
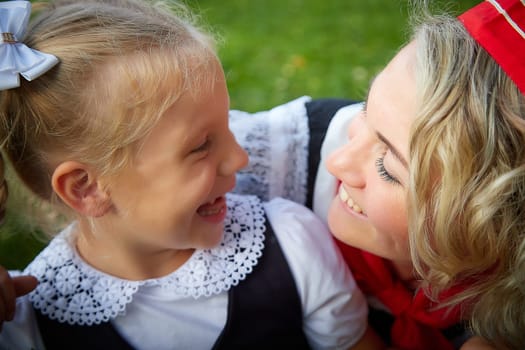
16 58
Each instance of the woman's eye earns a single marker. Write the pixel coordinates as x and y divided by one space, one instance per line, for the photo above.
383 173
202 147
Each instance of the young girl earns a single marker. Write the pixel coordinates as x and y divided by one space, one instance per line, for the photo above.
125 123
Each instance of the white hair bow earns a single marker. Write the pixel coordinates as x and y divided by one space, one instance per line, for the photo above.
15 57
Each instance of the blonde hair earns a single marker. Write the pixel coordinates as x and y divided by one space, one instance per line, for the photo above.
122 63
467 181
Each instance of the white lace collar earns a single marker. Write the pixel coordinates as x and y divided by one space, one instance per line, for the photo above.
72 291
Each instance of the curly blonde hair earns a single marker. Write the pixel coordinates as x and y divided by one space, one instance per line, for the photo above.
467 181
122 64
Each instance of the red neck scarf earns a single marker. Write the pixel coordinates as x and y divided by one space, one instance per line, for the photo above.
416 324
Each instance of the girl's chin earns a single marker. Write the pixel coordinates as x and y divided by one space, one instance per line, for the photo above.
210 242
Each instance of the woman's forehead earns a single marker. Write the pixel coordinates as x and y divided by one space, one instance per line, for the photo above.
391 103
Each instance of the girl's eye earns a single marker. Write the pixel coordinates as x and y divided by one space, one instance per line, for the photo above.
383 173
202 147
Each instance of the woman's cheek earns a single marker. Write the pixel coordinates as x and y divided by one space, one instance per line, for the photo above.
391 225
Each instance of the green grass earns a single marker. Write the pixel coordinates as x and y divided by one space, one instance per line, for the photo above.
274 51
277 50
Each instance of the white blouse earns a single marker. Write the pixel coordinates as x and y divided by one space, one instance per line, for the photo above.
188 308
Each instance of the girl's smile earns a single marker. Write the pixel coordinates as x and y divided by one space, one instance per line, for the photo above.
214 211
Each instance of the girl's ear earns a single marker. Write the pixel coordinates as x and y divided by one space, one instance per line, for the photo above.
80 189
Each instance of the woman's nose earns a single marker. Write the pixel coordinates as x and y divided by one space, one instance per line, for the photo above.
348 162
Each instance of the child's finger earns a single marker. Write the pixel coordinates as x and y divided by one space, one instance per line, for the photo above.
24 284
7 296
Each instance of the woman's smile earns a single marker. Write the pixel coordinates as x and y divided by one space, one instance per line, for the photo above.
349 202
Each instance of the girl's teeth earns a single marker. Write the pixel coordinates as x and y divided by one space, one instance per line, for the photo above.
343 195
210 211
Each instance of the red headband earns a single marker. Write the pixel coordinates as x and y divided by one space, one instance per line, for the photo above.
499 27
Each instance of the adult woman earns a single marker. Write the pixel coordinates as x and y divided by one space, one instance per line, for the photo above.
434 159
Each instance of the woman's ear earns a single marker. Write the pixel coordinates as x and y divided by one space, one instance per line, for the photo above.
79 187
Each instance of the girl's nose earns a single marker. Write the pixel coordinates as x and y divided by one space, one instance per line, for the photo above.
234 159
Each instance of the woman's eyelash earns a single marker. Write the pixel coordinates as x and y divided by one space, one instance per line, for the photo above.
383 173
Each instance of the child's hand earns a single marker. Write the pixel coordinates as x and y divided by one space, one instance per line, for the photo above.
10 289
